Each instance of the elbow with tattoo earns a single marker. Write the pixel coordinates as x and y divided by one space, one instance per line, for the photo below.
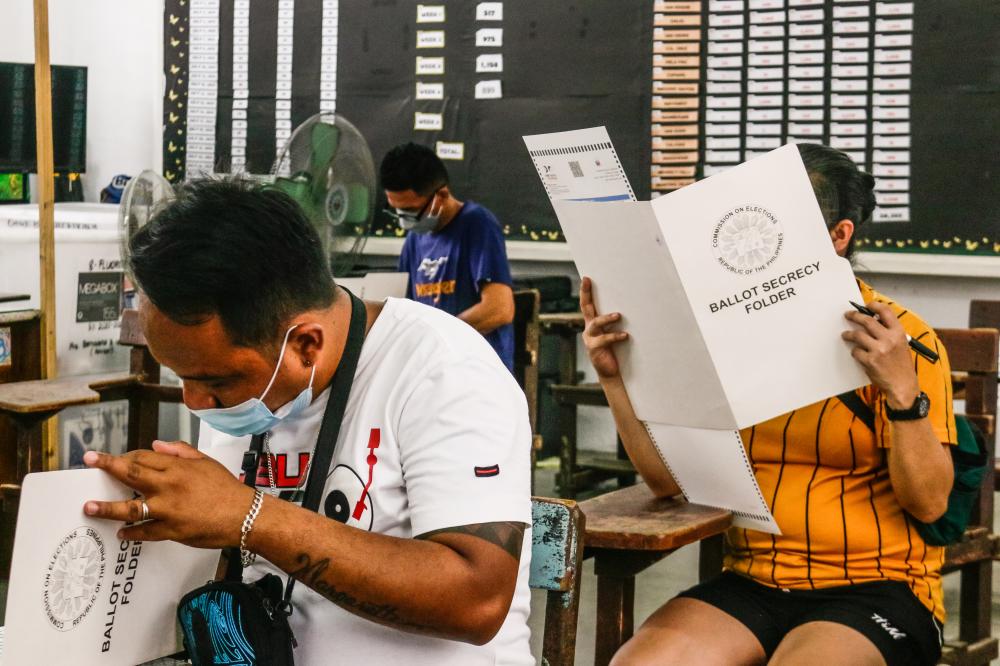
484 590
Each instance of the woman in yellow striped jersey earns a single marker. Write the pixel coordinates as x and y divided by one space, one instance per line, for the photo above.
849 581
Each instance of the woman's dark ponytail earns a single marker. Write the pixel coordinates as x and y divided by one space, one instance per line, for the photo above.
844 192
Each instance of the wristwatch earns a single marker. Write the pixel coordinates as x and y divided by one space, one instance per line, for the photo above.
920 408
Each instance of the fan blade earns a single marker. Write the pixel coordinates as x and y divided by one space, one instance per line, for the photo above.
324 141
358 206
300 189
296 188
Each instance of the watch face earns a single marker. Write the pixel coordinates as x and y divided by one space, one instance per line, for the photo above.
920 408
923 404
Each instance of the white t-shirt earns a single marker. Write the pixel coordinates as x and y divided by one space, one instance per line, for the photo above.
448 427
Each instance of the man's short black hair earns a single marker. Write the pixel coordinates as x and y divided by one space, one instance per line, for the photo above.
230 248
411 166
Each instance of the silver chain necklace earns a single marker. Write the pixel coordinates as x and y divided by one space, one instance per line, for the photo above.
270 468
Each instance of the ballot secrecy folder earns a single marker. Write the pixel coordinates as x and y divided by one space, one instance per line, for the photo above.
732 294
731 290
80 595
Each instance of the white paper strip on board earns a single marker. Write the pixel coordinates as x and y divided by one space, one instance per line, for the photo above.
430 14
431 122
489 63
203 83
489 11
489 37
450 150
328 57
492 89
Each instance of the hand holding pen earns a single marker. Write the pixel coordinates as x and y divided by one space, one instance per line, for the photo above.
915 345
882 347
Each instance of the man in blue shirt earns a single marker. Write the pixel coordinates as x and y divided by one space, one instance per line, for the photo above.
454 251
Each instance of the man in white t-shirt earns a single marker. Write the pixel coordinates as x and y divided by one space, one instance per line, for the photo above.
420 550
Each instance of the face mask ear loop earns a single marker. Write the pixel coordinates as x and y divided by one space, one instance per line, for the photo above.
312 376
430 209
277 366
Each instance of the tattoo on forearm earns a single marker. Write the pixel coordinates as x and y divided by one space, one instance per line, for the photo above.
313 574
507 535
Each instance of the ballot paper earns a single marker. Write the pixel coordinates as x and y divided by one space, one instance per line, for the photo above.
731 290
579 165
80 595
711 468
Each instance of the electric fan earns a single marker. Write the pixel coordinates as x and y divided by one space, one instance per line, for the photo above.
327 168
143 196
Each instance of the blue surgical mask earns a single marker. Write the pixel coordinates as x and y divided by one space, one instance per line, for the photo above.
253 417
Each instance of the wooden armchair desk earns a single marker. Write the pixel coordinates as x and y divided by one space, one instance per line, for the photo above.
627 531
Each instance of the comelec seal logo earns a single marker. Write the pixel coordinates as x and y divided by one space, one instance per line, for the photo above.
747 239
73 578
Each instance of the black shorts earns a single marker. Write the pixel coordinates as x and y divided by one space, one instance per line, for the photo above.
885 612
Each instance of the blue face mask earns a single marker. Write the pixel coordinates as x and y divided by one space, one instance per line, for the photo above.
253 417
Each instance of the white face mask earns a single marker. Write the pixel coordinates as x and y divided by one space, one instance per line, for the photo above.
253 417
420 225
422 222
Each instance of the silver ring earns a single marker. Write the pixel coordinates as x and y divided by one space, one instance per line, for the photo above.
145 510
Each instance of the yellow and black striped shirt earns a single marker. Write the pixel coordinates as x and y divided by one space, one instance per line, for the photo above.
825 477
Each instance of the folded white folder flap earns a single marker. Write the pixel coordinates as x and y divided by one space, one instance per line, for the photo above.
711 467
620 246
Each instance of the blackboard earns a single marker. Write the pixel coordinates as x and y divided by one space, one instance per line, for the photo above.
956 127
565 66
616 63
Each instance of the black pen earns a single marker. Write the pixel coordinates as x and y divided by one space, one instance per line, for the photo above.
915 345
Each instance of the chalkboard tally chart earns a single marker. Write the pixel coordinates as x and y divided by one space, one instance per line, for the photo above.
686 89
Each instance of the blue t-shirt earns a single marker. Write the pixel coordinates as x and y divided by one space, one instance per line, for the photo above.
447 268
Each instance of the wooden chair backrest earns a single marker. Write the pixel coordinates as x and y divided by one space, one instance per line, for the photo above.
527 331
24 357
131 333
145 398
973 354
24 363
557 529
984 314
556 543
